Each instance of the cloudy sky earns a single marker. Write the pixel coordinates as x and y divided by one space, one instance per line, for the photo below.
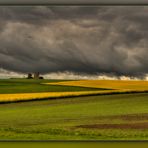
77 39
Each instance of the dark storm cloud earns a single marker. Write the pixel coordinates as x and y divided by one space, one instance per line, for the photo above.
78 39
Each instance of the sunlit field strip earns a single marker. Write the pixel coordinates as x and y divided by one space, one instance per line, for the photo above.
39 96
33 96
108 84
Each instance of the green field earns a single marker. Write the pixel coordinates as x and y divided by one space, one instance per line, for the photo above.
77 118
103 117
31 86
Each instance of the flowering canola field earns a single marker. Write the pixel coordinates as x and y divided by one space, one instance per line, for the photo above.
36 96
110 87
108 84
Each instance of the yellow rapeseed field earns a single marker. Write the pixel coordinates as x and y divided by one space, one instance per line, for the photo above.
37 96
108 84
116 86
34 96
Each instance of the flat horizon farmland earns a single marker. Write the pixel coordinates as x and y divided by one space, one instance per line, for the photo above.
73 110
14 90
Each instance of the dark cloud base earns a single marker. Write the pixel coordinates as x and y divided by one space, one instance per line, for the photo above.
86 40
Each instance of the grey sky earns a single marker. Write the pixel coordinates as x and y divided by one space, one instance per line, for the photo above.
86 40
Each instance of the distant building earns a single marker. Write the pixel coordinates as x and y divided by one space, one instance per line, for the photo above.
36 75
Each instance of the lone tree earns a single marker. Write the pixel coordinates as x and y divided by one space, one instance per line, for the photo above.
29 76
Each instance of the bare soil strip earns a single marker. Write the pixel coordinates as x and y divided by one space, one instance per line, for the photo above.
128 117
143 125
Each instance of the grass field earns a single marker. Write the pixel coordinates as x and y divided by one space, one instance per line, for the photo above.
83 117
110 117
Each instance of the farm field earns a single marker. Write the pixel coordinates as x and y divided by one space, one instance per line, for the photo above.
109 117
9 86
14 90
73 110
107 84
